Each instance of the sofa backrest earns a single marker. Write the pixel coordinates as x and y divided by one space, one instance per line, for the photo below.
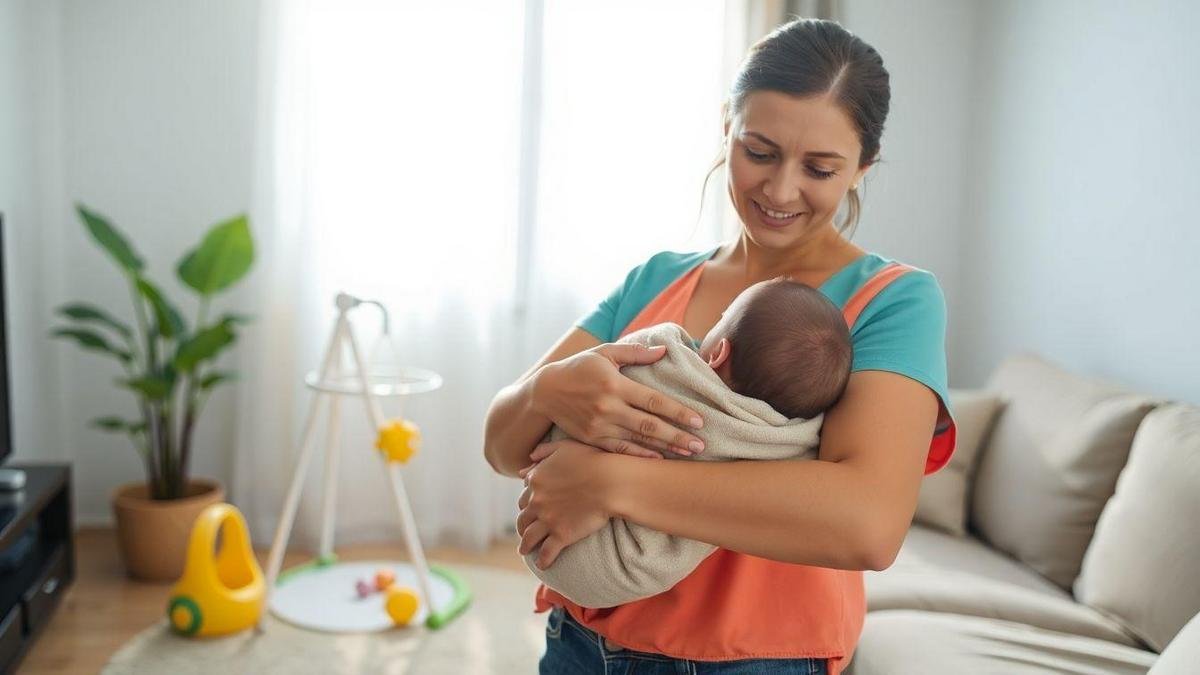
1051 463
1143 565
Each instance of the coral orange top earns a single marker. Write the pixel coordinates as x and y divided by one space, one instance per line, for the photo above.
736 606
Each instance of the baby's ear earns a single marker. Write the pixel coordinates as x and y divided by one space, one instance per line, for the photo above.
720 354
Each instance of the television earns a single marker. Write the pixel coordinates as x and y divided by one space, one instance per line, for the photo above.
5 427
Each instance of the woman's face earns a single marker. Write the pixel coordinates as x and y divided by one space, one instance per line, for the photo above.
790 155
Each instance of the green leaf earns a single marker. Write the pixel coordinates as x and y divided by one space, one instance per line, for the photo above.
153 388
111 240
213 379
235 318
82 312
221 259
170 322
112 424
89 339
204 345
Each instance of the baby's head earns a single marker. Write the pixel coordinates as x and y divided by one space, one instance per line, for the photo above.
785 343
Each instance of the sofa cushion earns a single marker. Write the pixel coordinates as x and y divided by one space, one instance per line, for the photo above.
1143 565
943 500
942 573
1051 463
926 549
1181 656
903 642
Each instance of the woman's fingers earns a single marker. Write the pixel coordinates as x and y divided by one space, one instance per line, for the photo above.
656 403
524 519
646 426
628 354
534 534
550 550
624 446
526 494
541 451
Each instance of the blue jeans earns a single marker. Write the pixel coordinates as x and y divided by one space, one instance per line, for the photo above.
575 649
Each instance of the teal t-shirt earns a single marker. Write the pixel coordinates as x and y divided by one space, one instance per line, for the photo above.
902 330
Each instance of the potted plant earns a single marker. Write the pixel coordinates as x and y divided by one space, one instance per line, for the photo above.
169 366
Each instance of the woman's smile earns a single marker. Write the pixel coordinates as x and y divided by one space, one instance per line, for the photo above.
771 221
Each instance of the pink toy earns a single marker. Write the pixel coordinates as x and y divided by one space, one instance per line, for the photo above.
364 589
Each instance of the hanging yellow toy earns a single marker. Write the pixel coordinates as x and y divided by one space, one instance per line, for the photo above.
399 441
221 596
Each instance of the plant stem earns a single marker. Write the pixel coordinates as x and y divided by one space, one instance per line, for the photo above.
188 409
155 482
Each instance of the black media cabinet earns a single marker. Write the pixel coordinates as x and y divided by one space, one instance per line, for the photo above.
37 557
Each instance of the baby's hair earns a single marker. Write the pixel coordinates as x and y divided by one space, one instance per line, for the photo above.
791 348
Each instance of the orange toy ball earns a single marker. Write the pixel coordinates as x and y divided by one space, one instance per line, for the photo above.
384 578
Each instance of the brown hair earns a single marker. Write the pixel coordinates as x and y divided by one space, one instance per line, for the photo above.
812 56
791 348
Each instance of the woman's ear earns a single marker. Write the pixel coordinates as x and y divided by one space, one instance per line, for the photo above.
856 183
721 354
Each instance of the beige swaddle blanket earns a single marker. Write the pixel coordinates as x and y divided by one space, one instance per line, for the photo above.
624 561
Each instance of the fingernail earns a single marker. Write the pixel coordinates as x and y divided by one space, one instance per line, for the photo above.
697 423
695 446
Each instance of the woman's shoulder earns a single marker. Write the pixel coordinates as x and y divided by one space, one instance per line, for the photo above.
641 285
917 282
903 328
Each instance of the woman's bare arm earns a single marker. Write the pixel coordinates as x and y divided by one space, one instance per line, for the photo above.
850 509
512 427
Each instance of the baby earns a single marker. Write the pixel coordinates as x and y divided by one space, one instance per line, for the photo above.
793 347
776 360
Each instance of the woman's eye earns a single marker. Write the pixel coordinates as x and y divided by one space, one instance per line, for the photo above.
818 173
756 156
815 172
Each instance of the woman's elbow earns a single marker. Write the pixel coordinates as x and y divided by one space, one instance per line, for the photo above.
880 545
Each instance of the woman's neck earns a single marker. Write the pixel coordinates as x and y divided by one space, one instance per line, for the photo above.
817 256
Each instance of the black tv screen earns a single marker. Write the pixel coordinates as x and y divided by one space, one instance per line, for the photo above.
5 429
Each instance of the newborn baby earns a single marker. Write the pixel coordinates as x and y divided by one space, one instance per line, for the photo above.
777 359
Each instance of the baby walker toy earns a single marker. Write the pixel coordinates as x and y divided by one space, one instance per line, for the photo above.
217 597
333 596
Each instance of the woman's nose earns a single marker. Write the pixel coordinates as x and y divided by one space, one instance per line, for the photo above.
783 187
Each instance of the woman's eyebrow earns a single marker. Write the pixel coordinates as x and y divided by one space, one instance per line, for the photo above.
828 153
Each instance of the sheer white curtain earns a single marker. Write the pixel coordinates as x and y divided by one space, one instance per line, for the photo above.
488 170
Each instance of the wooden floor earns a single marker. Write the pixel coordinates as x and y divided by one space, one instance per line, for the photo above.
104 608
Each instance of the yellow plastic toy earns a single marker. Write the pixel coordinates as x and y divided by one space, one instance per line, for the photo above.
399 441
221 596
401 604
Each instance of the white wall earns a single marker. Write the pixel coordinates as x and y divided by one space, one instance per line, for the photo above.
1083 237
148 117
28 172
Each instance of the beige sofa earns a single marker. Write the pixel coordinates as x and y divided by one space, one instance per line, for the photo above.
1064 537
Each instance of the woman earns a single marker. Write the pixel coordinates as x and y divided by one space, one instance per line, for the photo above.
783 591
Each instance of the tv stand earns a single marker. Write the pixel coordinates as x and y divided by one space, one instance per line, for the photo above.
37 556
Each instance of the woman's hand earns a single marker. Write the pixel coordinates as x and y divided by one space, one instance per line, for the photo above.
565 499
587 397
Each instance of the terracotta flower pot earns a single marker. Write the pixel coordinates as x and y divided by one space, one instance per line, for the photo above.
153 534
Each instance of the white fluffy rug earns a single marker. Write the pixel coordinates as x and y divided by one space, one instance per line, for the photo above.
498 633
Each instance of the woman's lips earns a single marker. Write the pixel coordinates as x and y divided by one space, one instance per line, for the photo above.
770 221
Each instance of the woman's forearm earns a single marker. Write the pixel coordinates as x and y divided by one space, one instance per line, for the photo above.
809 512
513 428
